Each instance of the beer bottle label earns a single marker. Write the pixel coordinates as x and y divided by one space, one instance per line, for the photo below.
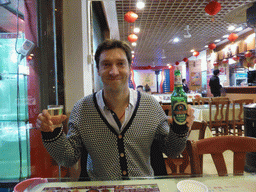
177 80
180 113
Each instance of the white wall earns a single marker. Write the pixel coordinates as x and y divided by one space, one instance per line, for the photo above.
77 71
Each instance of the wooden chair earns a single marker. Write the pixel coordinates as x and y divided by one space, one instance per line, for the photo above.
219 115
167 109
200 100
237 124
216 146
219 98
179 165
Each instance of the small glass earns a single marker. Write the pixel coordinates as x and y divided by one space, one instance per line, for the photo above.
55 110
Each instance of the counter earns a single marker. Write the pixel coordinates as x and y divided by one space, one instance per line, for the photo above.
247 92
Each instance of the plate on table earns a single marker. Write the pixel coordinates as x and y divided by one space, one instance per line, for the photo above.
191 185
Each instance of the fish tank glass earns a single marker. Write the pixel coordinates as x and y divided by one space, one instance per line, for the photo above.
14 130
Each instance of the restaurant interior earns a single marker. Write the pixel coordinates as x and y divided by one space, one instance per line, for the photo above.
47 58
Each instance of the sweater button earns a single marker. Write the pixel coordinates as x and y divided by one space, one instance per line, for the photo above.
120 136
124 173
121 155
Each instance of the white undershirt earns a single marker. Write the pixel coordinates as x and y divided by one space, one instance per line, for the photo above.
133 95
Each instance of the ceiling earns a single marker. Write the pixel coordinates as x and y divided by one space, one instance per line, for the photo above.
160 21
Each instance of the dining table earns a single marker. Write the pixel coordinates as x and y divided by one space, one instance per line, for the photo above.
208 182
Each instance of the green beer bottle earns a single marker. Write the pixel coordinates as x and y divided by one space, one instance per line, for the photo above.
179 105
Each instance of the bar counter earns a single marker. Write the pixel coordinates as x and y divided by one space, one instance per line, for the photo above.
246 92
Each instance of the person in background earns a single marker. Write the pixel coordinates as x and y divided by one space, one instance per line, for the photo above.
147 89
215 84
140 88
185 86
116 125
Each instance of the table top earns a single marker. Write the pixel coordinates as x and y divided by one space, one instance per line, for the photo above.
214 183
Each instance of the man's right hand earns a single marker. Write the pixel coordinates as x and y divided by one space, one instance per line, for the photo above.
45 122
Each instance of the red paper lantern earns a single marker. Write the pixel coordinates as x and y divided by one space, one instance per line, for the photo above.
196 53
185 59
232 37
215 64
225 61
248 54
132 38
130 17
177 63
235 58
29 57
212 8
212 46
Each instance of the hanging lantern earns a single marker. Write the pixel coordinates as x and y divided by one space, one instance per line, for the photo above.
216 65
177 63
196 53
235 58
185 59
130 17
132 38
232 37
248 54
29 58
212 8
212 46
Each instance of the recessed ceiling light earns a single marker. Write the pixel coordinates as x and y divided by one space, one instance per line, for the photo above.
231 28
225 36
140 5
176 40
136 30
206 46
134 44
132 52
239 29
192 50
217 40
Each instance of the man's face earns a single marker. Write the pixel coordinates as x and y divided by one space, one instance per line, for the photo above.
114 69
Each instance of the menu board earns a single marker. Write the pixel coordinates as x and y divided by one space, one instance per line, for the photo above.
108 188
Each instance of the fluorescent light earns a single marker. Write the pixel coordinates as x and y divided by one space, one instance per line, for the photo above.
134 44
231 28
239 29
140 5
217 40
176 40
136 30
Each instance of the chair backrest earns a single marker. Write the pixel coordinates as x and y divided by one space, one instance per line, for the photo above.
216 146
219 114
201 126
219 98
167 109
241 103
200 100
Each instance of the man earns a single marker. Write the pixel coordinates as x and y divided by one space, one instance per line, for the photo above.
140 88
185 86
215 84
116 125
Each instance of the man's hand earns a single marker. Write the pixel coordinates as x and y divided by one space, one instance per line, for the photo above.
45 122
190 117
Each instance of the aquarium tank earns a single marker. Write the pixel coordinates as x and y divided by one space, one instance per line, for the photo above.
14 130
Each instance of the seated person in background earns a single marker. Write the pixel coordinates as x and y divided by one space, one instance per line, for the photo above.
147 89
140 88
116 125
185 86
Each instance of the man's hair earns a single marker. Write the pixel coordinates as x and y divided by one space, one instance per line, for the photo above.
183 80
216 71
140 86
113 44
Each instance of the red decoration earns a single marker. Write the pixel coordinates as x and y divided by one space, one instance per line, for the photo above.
212 8
225 61
130 17
196 53
29 57
132 38
212 46
232 37
177 63
185 59
235 58
248 54
215 64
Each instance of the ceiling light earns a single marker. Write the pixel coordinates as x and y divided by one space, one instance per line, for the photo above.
239 29
136 30
206 46
231 28
225 36
134 44
4 2
132 52
140 5
176 40
217 40
192 50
